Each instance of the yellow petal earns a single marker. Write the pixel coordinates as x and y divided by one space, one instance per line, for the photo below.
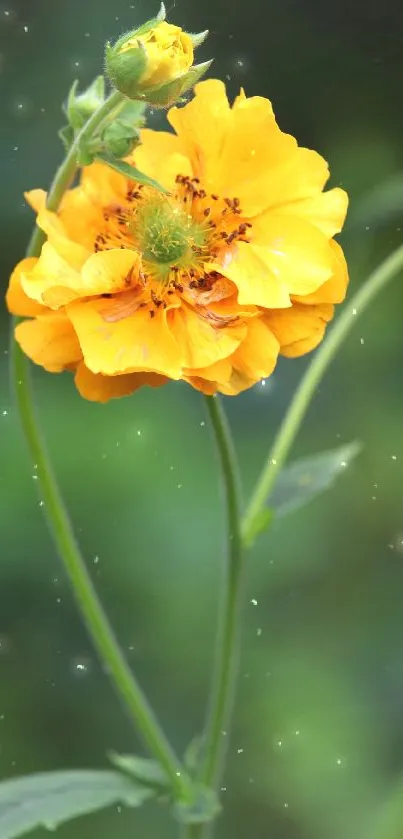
201 343
296 252
251 272
74 253
99 388
256 357
36 198
17 301
161 156
299 329
135 343
334 289
326 210
220 371
55 283
202 126
254 148
102 184
49 341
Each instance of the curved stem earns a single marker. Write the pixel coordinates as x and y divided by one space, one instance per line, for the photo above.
222 693
59 523
309 383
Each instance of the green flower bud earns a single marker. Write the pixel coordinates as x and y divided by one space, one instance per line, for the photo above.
80 106
156 57
119 138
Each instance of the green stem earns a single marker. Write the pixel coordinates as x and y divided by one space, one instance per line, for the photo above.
59 523
309 384
223 687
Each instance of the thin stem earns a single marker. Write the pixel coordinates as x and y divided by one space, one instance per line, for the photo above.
223 687
59 523
309 384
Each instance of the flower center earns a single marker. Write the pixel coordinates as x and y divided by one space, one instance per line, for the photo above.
166 235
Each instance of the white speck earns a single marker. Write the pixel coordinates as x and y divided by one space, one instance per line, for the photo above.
6 13
76 63
354 312
273 461
367 227
87 34
343 463
286 805
34 477
373 498
178 774
263 383
172 468
224 733
138 433
362 341
279 743
259 631
58 599
16 148
41 503
394 457
240 63
25 28
202 423
228 77
239 751
96 559
223 789
254 601
179 486
5 413
296 732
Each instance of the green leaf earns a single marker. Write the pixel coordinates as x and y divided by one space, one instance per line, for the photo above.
133 112
66 135
146 772
194 753
51 798
306 478
130 172
204 807
260 523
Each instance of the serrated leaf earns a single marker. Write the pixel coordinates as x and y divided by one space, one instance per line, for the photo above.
130 172
146 771
50 798
300 482
204 808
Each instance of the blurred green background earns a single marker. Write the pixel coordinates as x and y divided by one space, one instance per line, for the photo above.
317 744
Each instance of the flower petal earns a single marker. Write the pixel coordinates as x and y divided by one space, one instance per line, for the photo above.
50 341
202 126
254 148
334 289
257 283
99 388
55 283
161 156
299 329
17 301
201 343
74 253
326 210
36 198
296 252
132 344
256 357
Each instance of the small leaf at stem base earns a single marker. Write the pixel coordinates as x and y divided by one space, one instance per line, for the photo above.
145 771
48 799
204 807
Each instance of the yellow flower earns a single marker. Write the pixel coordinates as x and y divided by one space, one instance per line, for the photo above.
208 283
168 53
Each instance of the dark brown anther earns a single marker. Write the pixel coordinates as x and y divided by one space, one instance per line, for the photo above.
152 313
214 197
207 212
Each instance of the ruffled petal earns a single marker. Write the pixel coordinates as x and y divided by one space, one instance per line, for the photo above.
202 126
333 290
133 344
256 356
161 156
98 388
200 342
72 252
17 301
257 283
296 252
50 341
55 283
300 329
326 210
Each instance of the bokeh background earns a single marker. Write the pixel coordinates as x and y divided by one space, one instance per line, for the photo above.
316 751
